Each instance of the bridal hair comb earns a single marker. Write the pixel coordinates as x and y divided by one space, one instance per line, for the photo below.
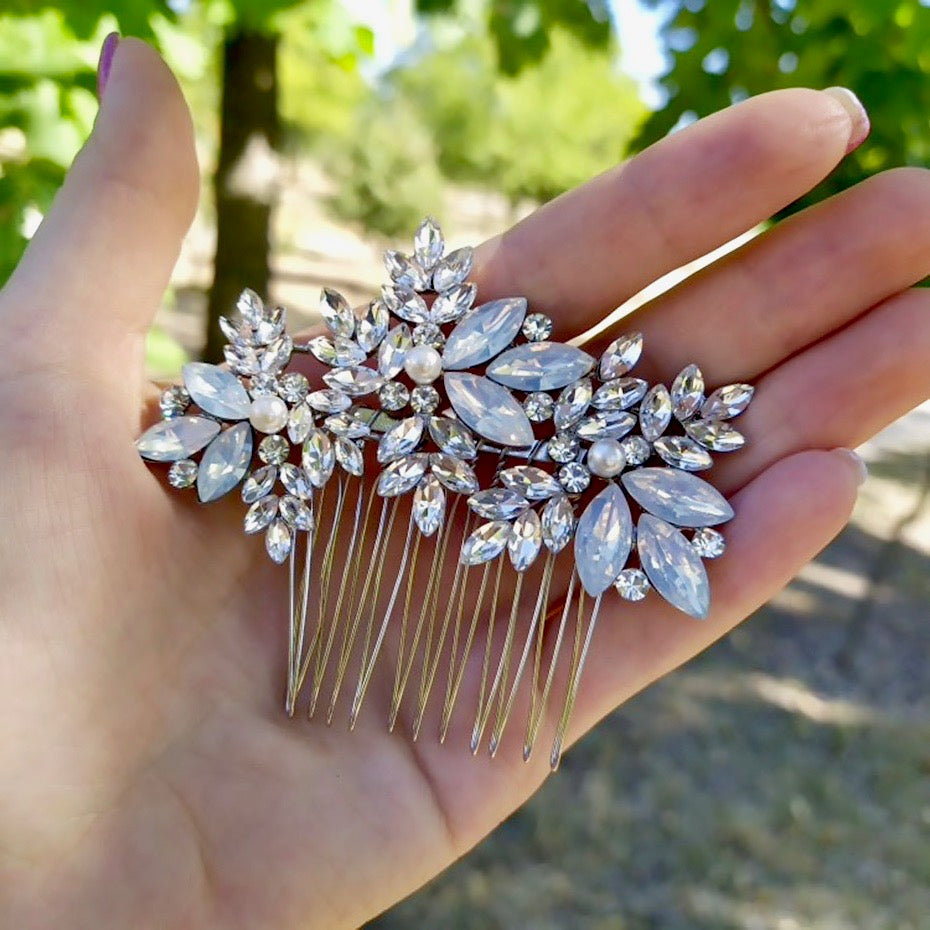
457 481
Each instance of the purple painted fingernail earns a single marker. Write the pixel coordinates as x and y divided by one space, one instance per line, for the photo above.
107 50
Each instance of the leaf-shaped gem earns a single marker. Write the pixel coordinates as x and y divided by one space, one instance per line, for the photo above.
296 513
299 423
276 355
295 480
260 514
216 391
224 463
453 269
485 543
572 403
688 392
540 366
349 456
619 394
620 356
603 540
525 540
400 440
532 482
336 313
354 381
721 437
558 523
498 504
485 332
250 307
259 483
453 473
242 359
393 351
682 452
400 476
271 326
329 401
453 438
405 271
345 424
428 243
727 402
323 349
677 497
318 458
606 424
279 538
405 303
453 304
429 505
672 566
490 410
372 326
178 438
655 412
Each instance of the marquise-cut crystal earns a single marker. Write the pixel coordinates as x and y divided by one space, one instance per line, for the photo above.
372 326
405 303
498 504
323 349
276 355
295 480
250 307
406 271
259 483
655 413
727 402
260 514
603 539
483 333
336 313
216 391
393 351
558 523
263 384
688 392
485 543
279 538
453 304
428 243
296 513
238 332
682 452
242 359
330 401
525 540
453 438
677 497
632 584
299 423
453 269
400 440
225 462
354 381
456 475
429 505
619 394
178 438
606 424
400 476
715 435
345 424
620 356
349 456
532 482
270 326
318 458
540 366
572 403
674 568
708 543
348 352
490 410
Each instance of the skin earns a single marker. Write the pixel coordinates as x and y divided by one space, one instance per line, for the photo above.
148 777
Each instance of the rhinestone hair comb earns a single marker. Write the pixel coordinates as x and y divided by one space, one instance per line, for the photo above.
456 479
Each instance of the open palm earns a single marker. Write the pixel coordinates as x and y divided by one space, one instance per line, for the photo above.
148 776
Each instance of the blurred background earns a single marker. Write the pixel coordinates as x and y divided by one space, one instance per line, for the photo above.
782 780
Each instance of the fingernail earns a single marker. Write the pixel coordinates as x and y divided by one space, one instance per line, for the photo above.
858 115
107 51
858 463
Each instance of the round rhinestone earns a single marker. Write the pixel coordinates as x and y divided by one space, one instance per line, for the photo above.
538 406
293 387
424 399
632 584
393 395
263 384
183 473
274 450
636 449
563 447
428 334
537 327
708 543
574 477
174 402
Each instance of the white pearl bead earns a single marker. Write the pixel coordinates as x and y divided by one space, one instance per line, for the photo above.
423 364
606 458
268 413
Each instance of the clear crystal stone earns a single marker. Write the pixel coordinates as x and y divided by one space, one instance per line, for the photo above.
349 353
453 304
401 476
401 439
688 392
682 452
453 269
393 351
355 382
674 568
540 366
498 504
603 540
428 334
619 394
620 356
429 505
532 482
574 477
405 303
250 307
489 409
279 539
263 384
336 313
606 424
271 326
558 523
293 387
183 473
372 326
296 513
259 483
260 514
276 355
455 474
394 395
572 403
485 543
323 349
178 438
563 447
347 425
424 398
655 412
295 480
174 401
225 462
349 456
632 584
237 332
318 458
720 437
299 423
537 327
636 450
241 359
525 540
538 406
453 438
428 243
216 391
485 332
727 402
274 450
708 543
330 401
405 271
677 497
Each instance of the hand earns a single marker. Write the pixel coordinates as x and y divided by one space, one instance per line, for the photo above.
149 777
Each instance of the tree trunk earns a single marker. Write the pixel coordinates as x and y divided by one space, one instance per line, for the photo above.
245 183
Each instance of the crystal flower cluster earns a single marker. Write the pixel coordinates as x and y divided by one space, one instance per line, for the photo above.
431 381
